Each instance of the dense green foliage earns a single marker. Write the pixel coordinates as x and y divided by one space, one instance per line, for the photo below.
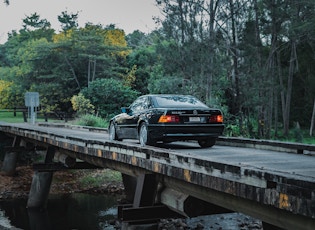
253 59
109 95
82 105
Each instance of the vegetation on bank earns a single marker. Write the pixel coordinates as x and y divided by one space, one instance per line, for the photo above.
90 120
97 178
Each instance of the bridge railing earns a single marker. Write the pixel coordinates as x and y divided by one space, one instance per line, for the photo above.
272 145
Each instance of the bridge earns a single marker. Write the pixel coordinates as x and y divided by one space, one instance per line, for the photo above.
270 181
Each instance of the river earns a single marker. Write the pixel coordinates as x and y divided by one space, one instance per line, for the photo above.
64 212
79 211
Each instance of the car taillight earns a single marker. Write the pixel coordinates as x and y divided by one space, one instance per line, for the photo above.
169 119
216 119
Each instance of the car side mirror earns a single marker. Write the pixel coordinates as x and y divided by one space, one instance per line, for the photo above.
125 110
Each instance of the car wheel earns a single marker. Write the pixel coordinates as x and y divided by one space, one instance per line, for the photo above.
206 143
144 137
112 132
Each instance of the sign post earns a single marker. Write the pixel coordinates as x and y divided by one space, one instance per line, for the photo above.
32 101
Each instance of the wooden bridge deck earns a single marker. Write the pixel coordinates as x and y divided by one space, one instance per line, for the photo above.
278 188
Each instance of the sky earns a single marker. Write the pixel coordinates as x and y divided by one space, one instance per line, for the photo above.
128 15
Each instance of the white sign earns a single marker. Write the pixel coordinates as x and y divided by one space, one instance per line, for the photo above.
32 101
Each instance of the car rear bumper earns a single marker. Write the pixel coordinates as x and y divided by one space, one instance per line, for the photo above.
187 132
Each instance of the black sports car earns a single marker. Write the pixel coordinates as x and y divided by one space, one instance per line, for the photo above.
167 117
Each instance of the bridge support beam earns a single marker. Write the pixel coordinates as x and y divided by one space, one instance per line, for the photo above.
139 214
10 158
140 190
187 205
145 190
41 183
182 203
130 184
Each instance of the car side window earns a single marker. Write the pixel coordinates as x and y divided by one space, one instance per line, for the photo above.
139 105
149 103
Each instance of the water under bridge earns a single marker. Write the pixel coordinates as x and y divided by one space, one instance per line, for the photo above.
271 181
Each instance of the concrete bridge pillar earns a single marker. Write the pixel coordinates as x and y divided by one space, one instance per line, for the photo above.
9 163
39 190
10 158
41 183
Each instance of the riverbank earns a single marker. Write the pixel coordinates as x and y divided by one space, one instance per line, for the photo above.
70 181
89 181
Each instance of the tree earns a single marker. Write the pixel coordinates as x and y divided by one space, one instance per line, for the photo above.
192 44
289 33
34 22
91 52
82 105
68 21
142 60
108 95
4 94
137 39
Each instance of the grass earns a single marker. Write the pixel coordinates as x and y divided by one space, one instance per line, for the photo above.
8 116
99 177
303 137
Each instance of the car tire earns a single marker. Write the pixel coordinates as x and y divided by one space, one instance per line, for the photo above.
144 136
112 132
206 143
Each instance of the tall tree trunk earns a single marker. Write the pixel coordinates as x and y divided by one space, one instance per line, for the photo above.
312 120
73 72
260 80
212 7
89 73
292 69
91 65
234 54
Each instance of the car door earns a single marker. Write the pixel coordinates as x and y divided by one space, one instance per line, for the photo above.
129 127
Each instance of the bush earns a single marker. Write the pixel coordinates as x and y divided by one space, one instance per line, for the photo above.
91 120
108 95
82 105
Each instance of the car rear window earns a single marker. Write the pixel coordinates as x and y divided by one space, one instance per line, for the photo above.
178 102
